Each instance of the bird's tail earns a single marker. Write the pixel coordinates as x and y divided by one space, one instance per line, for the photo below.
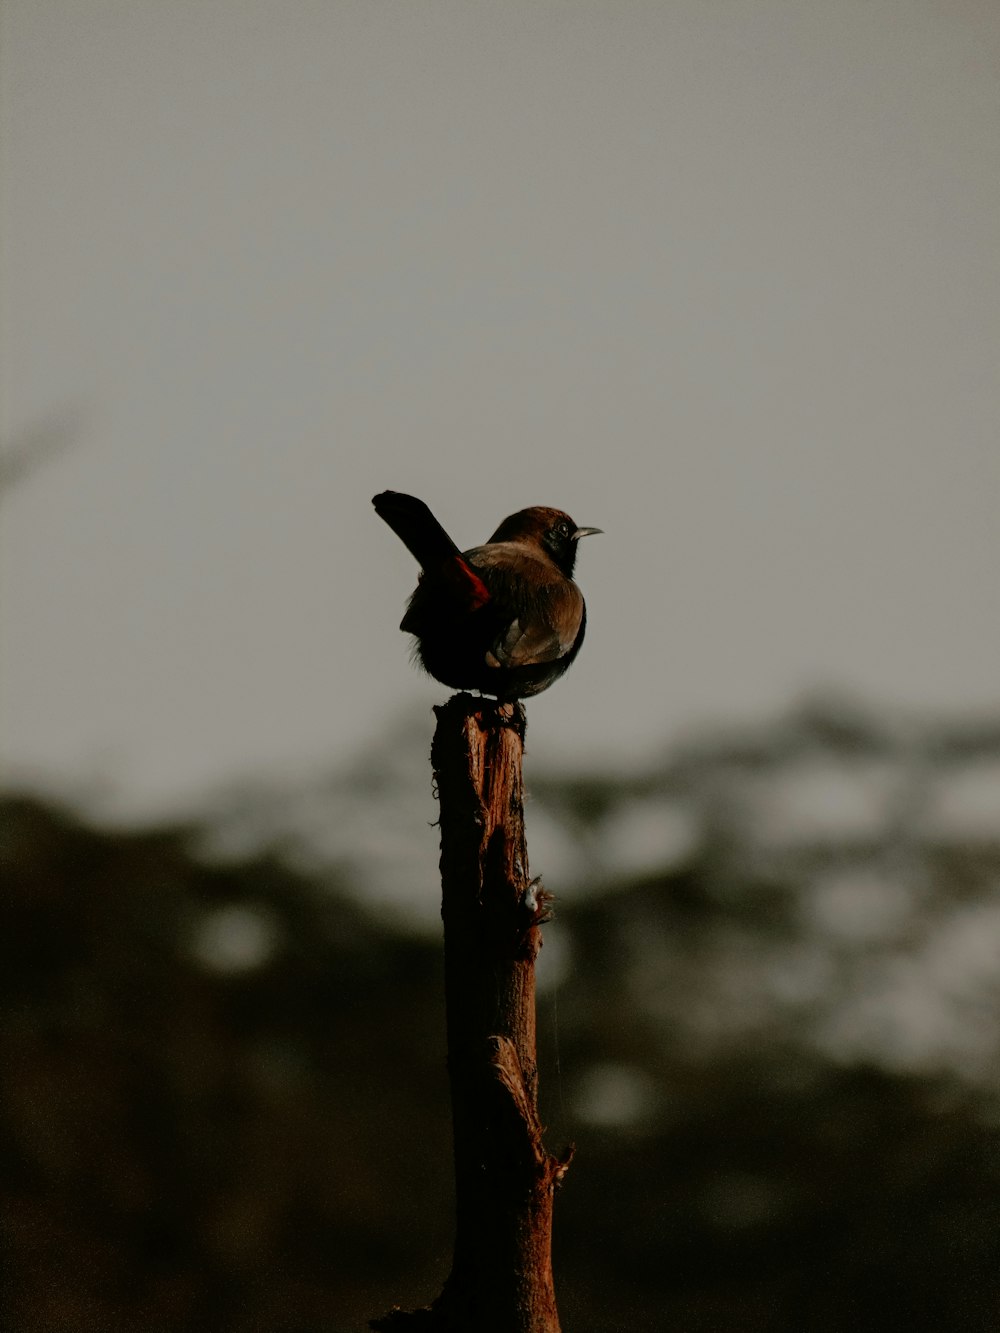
416 527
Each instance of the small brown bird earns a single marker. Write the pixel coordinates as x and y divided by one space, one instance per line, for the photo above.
505 618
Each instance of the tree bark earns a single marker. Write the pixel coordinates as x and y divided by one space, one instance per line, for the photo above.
501 1276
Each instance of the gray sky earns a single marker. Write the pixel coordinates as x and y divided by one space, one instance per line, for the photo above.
721 277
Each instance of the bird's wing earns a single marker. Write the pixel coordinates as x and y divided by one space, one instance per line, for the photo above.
545 609
545 632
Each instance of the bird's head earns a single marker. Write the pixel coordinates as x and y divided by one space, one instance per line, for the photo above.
551 529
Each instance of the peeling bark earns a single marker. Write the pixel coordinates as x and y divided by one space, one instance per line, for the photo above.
505 1180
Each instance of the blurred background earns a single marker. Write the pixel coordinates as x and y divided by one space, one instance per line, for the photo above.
720 278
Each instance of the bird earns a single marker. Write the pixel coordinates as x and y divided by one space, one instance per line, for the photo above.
504 618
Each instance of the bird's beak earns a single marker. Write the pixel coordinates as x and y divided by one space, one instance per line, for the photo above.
586 532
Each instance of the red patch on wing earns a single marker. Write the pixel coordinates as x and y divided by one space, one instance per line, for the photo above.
466 583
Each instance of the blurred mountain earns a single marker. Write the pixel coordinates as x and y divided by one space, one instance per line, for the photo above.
770 1019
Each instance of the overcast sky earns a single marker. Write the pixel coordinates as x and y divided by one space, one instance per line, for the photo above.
721 277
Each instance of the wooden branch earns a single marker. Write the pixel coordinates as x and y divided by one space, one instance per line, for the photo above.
501 1277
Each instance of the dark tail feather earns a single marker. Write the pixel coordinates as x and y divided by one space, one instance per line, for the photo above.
416 527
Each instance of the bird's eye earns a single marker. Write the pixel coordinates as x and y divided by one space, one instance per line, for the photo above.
562 529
